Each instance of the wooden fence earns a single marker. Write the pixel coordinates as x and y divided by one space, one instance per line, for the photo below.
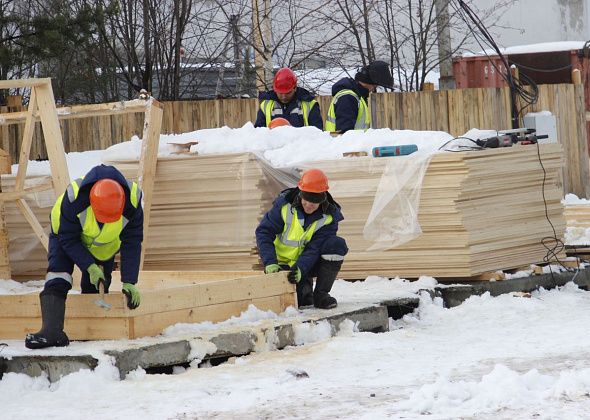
454 111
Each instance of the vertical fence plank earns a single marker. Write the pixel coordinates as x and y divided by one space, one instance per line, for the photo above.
456 120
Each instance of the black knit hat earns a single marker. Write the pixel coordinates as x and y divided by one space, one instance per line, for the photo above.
376 73
317 198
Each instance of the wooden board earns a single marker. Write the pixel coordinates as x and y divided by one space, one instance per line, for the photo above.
207 300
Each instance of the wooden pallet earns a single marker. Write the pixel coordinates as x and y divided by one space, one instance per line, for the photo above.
166 299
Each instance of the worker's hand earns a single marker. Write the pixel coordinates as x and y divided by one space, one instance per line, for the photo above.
132 294
96 274
272 268
294 275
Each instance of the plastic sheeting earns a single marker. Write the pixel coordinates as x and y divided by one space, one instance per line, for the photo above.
393 219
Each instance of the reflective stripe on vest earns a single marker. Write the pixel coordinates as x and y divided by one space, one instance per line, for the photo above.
271 108
363 117
292 241
103 243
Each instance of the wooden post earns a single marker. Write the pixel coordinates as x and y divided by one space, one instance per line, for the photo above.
576 77
578 153
147 163
4 260
53 139
515 99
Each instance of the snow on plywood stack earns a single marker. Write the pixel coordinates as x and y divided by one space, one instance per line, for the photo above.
577 217
204 212
479 211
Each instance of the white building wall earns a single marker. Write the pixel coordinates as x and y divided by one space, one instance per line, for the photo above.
535 21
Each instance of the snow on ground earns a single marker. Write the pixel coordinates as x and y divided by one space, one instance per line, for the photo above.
505 357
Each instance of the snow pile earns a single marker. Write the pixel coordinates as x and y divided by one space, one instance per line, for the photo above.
572 199
284 146
509 357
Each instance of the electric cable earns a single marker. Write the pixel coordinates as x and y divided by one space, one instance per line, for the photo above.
569 66
476 147
518 87
558 245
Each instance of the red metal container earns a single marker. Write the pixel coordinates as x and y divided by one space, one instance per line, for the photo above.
483 71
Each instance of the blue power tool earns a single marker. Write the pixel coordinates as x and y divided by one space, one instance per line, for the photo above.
401 150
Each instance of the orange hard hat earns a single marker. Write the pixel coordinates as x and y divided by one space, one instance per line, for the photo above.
278 122
285 81
107 199
313 181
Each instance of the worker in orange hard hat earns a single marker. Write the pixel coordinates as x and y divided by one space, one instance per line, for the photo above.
288 101
299 234
95 218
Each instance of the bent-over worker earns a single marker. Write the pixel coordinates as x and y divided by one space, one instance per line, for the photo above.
97 216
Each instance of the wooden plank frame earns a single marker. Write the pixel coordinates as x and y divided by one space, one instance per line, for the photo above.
187 300
42 108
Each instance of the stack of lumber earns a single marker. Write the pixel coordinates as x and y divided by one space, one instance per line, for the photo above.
577 215
187 298
28 258
577 218
479 211
204 211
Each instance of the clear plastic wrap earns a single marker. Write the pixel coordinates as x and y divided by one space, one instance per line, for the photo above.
393 219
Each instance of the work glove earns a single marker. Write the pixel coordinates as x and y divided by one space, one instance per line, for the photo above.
132 294
272 268
96 275
294 275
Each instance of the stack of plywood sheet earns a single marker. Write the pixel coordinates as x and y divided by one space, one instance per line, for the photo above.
173 298
577 215
204 212
479 211
28 258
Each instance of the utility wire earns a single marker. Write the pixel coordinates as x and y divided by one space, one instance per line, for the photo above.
524 87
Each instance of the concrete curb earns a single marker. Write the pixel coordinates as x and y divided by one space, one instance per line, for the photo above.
455 295
227 344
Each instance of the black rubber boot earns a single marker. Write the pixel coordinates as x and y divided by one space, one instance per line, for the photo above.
326 275
53 310
305 292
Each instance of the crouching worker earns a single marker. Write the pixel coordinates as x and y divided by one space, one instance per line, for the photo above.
97 216
299 234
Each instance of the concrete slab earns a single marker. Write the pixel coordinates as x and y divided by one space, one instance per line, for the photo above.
455 295
155 352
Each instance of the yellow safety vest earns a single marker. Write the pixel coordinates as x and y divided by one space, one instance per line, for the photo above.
268 106
103 243
292 241
363 118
